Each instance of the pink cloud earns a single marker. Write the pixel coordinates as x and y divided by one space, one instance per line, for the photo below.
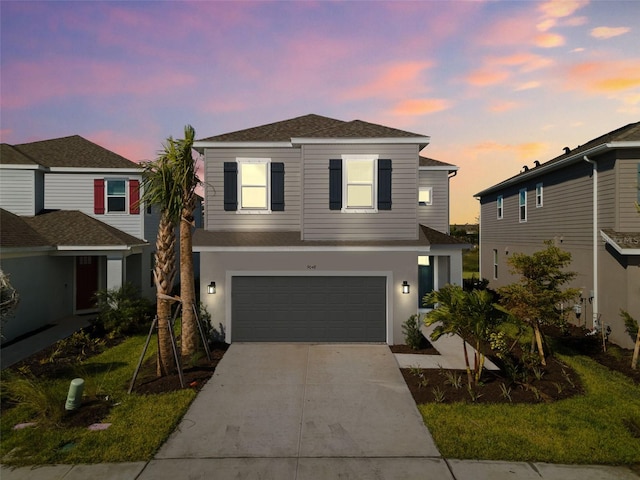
528 62
609 32
521 150
392 81
605 76
486 76
500 107
549 40
33 82
421 106
527 86
556 9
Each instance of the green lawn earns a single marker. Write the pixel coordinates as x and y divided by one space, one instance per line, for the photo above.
594 428
140 423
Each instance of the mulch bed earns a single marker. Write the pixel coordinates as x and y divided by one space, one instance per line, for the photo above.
556 381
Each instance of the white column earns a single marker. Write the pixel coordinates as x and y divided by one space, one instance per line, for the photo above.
455 268
115 272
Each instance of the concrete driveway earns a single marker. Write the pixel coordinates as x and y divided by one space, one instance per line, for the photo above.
302 411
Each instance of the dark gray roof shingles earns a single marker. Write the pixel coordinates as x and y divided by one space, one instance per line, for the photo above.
73 151
204 238
15 232
311 126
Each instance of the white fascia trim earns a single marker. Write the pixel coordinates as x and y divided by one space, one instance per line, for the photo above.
452 168
621 251
578 157
418 249
92 248
360 141
200 145
21 166
97 170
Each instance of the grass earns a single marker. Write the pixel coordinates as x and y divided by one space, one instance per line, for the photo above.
140 423
471 263
592 428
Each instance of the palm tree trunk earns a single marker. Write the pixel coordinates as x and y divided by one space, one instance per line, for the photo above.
164 274
466 361
187 287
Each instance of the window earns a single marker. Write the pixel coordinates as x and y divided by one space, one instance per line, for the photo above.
116 196
425 279
425 195
522 202
253 184
495 264
538 195
499 206
360 182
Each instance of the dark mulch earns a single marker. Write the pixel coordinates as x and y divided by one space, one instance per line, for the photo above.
555 381
425 349
195 374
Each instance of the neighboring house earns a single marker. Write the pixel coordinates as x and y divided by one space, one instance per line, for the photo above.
586 201
313 225
71 225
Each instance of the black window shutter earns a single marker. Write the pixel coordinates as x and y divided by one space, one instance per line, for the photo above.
384 184
335 184
277 187
230 186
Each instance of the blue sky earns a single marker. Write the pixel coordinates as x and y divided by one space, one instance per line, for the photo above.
495 84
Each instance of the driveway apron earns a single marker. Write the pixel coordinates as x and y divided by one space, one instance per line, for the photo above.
288 401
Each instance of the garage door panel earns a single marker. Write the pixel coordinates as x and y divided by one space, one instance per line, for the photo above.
309 309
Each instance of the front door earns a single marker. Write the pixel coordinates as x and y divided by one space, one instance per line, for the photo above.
86 282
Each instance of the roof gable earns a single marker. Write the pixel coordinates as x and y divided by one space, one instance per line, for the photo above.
74 151
315 127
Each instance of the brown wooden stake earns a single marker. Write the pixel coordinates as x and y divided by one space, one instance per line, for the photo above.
636 351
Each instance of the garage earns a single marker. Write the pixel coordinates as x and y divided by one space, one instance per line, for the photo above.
308 309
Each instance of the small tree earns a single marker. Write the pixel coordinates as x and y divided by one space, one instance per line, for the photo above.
535 298
633 329
467 314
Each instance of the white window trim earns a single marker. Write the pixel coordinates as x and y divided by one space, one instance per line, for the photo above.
106 195
345 161
520 205
500 207
425 189
495 264
253 211
539 197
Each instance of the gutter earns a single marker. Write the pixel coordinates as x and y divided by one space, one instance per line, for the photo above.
596 315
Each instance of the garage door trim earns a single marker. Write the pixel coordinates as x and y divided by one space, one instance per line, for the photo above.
310 272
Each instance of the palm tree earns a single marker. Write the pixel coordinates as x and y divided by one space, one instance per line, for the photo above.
187 181
160 189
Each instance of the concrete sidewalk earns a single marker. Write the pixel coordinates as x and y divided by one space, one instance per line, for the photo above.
307 412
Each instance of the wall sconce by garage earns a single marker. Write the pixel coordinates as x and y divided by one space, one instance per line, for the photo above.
405 287
211 288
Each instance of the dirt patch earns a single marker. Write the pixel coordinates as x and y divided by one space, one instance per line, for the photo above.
425 349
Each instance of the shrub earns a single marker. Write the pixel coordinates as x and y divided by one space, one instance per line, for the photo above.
122 310
412 334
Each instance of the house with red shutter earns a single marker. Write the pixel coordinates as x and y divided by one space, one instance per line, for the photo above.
71 224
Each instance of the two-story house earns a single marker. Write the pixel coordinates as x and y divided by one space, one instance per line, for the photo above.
71 225
585 200
322 230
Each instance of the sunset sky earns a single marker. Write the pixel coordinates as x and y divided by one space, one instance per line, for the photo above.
495 84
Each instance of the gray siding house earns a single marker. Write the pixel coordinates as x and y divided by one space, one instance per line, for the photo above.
71 225
321 230
585 200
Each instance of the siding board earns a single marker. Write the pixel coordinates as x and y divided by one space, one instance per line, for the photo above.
17 191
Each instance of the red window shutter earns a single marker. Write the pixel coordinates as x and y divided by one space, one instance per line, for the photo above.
98 196
134 197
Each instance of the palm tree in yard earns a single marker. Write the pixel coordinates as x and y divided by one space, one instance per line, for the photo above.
187 181
160 189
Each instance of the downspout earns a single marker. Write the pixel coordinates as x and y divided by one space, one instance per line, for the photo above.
596 323
449 177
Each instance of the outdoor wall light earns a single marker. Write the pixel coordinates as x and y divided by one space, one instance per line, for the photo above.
211 288
405 287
